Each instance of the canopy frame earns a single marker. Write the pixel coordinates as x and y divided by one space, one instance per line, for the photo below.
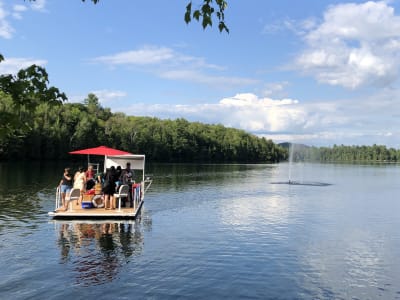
137 162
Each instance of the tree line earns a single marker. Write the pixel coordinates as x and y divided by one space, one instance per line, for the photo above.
52 129
343 153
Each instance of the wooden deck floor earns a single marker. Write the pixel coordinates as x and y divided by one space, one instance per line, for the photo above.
77 212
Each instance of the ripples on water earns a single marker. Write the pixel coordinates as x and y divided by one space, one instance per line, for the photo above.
97 252
309 183
210 231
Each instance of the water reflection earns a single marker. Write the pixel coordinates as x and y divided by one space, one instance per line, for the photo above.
273 210
168 177
97 251
23 188
353 263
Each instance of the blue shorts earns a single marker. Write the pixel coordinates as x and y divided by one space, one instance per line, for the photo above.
65 188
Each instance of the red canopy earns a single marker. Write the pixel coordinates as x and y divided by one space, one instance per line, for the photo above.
101 150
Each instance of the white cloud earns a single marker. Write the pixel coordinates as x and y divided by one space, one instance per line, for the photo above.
168 64
199 77
6 30
153 55
297 27
274 88
107 96
18 9
368 120
12 65
355 45
39 5
245 111
144 56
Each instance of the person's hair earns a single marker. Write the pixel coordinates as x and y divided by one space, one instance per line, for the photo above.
81 169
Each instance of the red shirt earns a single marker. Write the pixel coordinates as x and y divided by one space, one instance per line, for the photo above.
89 174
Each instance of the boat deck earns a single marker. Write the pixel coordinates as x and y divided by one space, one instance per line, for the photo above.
77 212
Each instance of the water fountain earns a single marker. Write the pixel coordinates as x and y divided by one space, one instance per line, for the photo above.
290 165
291 152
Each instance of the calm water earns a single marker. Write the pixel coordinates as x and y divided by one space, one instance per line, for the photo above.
210 232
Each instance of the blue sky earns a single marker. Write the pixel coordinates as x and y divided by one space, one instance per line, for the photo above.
312 71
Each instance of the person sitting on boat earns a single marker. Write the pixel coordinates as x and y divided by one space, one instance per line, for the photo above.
90 182
99 177
80 182
65 185
127 178
109 188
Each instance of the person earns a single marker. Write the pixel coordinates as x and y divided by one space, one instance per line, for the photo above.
90 182
109 188
80 183
98 182
99 177
127 178
65 186
118 175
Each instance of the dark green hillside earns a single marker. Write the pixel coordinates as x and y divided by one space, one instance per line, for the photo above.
51 130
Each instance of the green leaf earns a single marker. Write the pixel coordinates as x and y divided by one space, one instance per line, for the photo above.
206 9
196 15
187 18
222 27
206 22
188 13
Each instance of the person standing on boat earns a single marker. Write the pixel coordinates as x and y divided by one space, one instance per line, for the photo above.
65 185
109 188
118 177
127 178
80 182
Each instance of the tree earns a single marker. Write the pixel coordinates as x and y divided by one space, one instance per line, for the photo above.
26 90
204 13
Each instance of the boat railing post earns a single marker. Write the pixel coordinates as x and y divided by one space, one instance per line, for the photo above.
58 197
134 199
139 193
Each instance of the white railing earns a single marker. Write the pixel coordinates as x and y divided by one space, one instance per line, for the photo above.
147 183
58 197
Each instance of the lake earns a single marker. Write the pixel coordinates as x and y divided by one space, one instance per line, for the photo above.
210 232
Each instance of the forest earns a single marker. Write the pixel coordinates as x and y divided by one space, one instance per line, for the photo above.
51 130
342 153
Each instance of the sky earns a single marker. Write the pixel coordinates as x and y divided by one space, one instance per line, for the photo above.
316 72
